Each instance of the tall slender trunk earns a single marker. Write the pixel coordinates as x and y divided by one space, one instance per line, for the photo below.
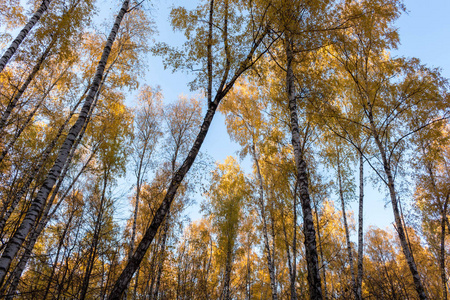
249 270
294 246
19 236
312 261
13 102
360 229
136 207
442 250
319 239
397 216
136 282
269 258
227 276
68 261
22 34
444 220
288 253
291 260
135 214
347 232
161 257
151 277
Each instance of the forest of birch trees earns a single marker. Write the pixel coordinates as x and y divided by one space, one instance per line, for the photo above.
100 173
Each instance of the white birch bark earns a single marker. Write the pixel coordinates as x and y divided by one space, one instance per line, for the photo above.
34 172
19 236
395 207
312 261
46 216
22 34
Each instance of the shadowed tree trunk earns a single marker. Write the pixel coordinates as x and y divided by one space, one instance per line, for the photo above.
312 261
224 87
360 229
442 250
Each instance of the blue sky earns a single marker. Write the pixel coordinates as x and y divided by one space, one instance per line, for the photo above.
424 33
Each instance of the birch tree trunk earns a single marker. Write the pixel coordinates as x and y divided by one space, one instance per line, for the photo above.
36 170
312 261
163 209
323 268
360 229
395 207
46 216
294 246
442 250
19 236
22 34
227 276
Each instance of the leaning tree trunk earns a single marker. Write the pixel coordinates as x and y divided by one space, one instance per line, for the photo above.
138 255
22 34
397 216
360 229
34 172
312 261
36 232
14 244
163 209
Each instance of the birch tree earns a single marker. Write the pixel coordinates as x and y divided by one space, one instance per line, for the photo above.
227 70
18 238
398 98
23 33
